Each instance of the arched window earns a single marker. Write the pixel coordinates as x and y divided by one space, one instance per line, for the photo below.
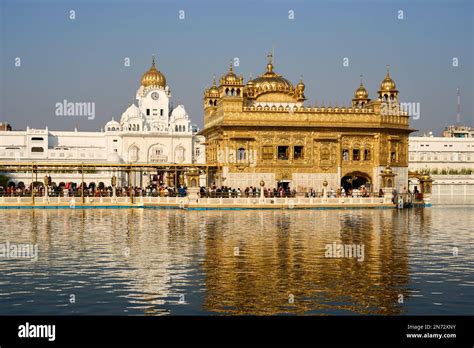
156 154
133 153
179 154
176 128
238 92
241 154
356 155
345 155
325 154
367 155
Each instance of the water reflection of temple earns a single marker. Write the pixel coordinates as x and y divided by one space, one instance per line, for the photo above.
282 254
235 262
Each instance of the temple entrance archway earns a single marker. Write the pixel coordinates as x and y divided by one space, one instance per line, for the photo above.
285 184
355 180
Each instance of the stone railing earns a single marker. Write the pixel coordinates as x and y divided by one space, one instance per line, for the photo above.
183 202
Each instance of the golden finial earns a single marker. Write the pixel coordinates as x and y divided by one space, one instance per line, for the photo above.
388 70
153 60
214 79
270 58
361 82
270 62
231 69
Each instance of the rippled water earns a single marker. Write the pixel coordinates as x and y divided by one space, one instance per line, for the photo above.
157 262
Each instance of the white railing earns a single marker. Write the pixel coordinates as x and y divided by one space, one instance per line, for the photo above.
186 201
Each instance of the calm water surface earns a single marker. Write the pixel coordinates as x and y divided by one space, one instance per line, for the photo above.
158 262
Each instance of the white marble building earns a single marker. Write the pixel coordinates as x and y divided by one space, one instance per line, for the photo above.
147 132
450 161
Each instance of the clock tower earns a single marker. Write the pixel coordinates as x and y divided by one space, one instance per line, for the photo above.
153 98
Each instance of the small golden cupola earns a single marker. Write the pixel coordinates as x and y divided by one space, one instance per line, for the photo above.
153 77
361 96
388 90
250 87
300 90
211 94
213 91
229 78
230 84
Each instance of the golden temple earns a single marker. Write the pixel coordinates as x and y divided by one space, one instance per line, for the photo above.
264 130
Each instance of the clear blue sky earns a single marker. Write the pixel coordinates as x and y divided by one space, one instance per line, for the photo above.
82 59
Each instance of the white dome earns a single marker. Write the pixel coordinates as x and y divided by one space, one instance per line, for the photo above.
112 126
131 112
179 112
114 158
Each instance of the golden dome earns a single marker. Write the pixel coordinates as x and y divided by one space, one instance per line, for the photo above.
270 81
387 84
153 77
214 87
250 82
300 85
361 92
388 170
213 91
231 78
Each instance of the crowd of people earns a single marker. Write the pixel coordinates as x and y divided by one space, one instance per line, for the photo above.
92 190
250 191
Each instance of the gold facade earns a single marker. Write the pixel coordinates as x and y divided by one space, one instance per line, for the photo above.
263 129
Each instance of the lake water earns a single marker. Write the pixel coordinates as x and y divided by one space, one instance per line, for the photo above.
159 262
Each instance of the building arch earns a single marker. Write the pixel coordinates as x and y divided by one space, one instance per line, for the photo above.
179 153
241 154
355 179
156 154
133 153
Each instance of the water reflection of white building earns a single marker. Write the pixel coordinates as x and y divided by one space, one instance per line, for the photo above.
118 252
151 131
